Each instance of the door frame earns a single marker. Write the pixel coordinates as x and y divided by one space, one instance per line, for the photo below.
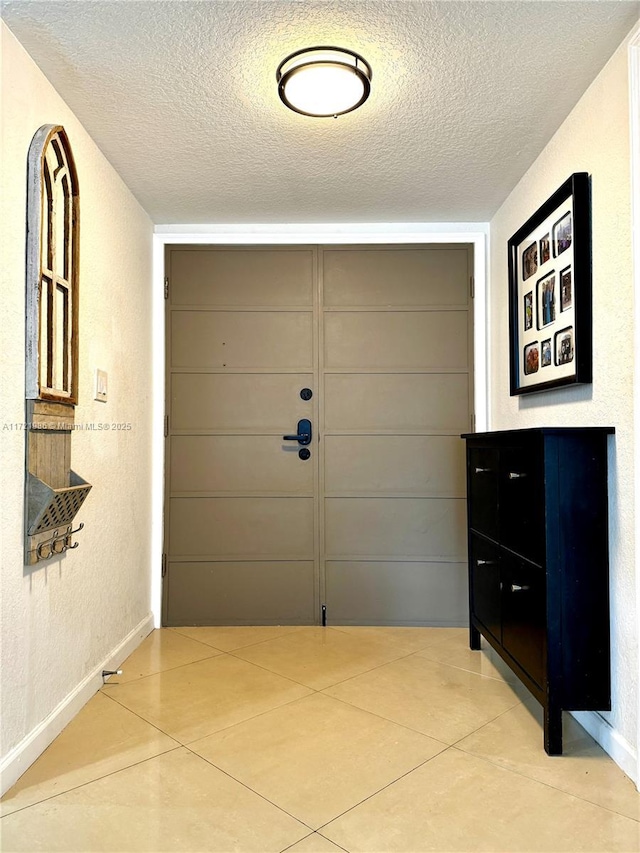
634 109
475 234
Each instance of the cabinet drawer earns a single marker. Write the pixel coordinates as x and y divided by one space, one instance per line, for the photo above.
523 615
521 492
484 583
483 490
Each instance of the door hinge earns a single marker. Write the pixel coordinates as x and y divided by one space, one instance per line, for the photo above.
473 423
166 288
324 615
166 426
164 565
472 286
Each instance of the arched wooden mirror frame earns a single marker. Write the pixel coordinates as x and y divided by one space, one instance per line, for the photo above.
53 221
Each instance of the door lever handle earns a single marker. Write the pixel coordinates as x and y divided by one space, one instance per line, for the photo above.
304 434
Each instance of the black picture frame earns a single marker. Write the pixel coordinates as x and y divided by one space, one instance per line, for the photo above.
563 225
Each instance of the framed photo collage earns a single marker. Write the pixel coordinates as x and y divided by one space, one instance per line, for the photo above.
550 292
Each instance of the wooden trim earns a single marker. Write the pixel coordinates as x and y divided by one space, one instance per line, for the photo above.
50 415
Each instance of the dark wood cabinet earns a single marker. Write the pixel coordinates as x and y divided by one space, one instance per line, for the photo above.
539 563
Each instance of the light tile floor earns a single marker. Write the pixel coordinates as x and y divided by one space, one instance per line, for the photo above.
312 740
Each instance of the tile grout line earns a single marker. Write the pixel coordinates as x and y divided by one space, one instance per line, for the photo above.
355 805
144 720
456 745
235 653
428 660
159 672
428 645
210 734
335 683
315 832
249 788
91 781
539 781
389 720
453 747
487 723
191 663
314 691
302 699
190 743
375 793
238 648
184 637
321 691
498 677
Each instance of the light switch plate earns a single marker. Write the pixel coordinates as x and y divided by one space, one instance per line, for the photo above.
101 386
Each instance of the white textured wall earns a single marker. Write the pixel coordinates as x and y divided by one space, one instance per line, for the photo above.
61 619
595 139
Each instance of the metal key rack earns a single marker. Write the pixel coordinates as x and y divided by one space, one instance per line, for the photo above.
48 510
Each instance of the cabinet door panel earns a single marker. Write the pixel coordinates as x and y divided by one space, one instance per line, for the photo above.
485 585
523 615
483 490
522 500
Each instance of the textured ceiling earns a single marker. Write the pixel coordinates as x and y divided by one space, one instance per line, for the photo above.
181 98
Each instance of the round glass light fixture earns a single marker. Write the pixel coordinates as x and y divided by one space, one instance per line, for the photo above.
324 82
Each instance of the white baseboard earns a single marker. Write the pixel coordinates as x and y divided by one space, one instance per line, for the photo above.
22 756
611 741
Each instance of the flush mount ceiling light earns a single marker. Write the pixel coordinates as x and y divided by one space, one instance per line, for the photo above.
324 81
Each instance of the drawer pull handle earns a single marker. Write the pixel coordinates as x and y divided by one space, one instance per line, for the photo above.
485 562
482 470
514 475
516 587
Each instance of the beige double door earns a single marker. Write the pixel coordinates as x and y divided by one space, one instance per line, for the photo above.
370 528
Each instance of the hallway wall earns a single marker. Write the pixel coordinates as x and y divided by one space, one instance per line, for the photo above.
595 139
62 619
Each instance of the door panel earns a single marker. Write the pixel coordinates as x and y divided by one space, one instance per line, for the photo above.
216 593
383 593
396 339
262 277
430 529
235 339
396 403
395 380
231 464
253 402
398 276
419 465
237 527
372 524
242 506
